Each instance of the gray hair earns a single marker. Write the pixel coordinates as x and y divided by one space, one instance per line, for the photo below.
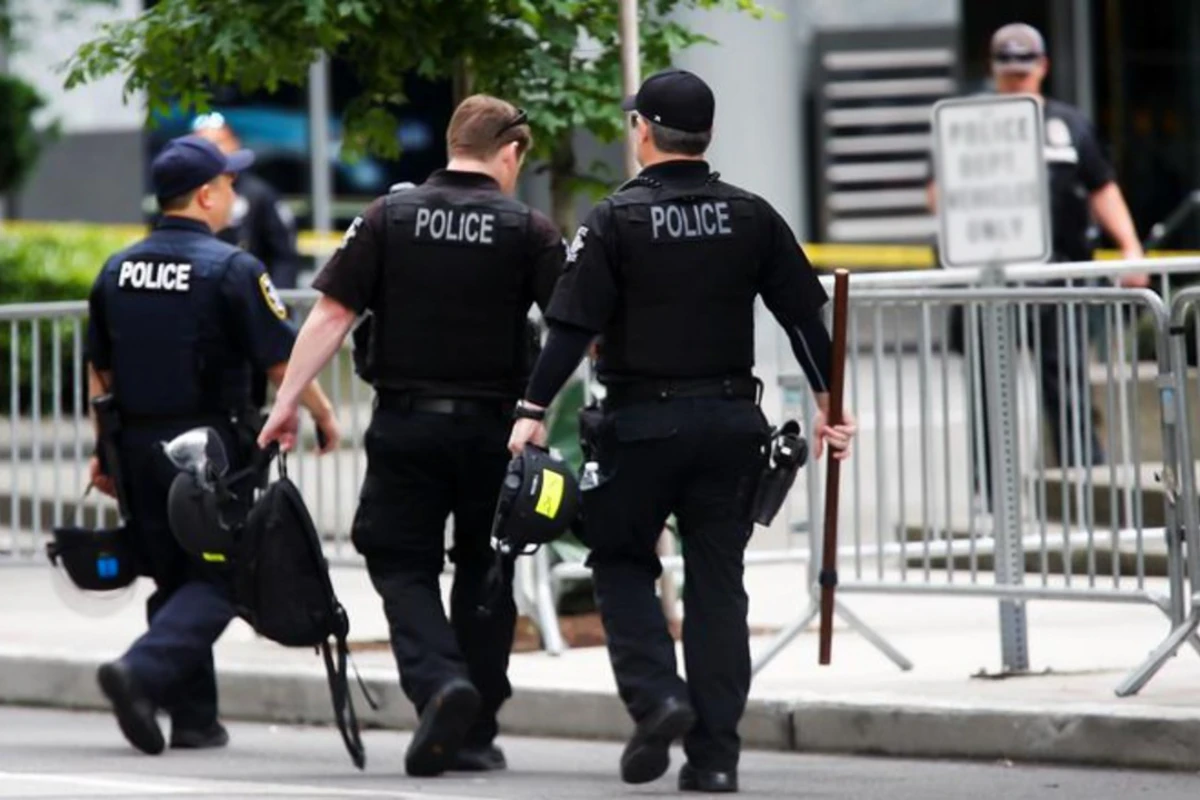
683 143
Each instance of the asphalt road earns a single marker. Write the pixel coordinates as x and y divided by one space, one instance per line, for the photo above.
57 754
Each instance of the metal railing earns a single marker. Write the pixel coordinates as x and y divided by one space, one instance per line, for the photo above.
917 495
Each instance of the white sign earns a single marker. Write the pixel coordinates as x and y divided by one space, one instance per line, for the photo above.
990 172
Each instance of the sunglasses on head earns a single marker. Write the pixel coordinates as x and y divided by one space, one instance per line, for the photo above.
1015 58
520 119
212 121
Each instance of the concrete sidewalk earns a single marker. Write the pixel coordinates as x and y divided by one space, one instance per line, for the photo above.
946 706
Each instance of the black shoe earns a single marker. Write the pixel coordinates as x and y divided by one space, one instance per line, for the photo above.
648 753
706 780
447 717
487 758
135 713
203 739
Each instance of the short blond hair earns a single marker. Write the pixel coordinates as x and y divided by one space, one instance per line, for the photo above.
482 124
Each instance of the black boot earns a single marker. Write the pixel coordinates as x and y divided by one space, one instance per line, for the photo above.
692 779
202 739
135 712
479 758
648 753
445 720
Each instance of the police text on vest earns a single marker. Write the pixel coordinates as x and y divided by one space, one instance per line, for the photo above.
443 225
155 276
699 221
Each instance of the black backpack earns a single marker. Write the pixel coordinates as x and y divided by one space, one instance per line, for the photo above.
282 589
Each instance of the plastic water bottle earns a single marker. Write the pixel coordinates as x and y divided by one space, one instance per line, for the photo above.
591 476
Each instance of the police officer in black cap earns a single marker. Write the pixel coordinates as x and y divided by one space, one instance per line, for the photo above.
176 322
448 271
666 271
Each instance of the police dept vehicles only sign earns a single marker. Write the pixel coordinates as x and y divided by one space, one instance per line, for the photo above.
990 174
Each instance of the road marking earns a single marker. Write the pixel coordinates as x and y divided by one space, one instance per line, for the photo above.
90 781
133 784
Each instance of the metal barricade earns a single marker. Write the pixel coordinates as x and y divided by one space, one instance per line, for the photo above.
917 516
1180 482
44 458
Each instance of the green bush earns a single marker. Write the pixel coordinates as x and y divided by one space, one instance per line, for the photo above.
45 265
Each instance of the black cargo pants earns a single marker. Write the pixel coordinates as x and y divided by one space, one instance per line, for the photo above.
700 459
421 468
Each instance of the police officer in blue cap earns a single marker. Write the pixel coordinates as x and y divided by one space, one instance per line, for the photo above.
176 324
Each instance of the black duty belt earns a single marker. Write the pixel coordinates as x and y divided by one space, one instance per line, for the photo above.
460 406
626 394
134 420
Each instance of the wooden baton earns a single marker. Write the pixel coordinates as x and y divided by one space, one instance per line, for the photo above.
828 576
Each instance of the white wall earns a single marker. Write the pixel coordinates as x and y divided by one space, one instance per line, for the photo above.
94 108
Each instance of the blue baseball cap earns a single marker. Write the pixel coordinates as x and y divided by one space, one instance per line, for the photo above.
189 162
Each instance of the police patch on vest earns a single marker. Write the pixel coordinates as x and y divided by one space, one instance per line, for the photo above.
577 244
269 293
696 221
155 276
449 225
350 232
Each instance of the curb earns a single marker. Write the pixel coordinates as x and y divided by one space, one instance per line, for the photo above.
1130 740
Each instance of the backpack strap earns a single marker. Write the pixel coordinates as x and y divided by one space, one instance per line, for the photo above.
343 704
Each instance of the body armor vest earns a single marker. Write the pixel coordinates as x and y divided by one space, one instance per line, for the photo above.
687 271
164 314
451 305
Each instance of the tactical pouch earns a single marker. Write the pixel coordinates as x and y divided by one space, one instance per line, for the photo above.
788 454
108 421
247 424
591 418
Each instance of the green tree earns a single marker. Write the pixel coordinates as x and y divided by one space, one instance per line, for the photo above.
560 59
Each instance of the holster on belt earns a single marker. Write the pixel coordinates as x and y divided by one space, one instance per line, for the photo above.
590 419
108 421
789 452
247 424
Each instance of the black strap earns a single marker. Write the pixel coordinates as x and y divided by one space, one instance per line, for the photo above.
495 584
343 705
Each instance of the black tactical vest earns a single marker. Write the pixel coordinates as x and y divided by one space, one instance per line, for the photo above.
170 331
451 306
687 271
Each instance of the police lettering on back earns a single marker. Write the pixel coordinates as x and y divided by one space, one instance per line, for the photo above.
448 225
155 276
695 221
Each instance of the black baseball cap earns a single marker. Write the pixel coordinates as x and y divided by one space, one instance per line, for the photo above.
675 98
188 162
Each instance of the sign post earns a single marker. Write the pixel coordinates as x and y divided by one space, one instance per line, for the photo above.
993 209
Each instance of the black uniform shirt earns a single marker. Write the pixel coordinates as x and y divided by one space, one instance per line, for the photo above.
265 227
352 275
591 292
1077 168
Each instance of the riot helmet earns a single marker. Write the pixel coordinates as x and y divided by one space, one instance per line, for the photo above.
93 571
538 502
204 513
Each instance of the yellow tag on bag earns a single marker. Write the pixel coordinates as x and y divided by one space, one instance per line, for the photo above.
550 497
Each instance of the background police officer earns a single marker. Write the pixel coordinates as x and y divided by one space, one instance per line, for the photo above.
175 323
449 271
1082 187
260 222
666 270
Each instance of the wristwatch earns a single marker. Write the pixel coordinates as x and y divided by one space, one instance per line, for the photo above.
523 411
